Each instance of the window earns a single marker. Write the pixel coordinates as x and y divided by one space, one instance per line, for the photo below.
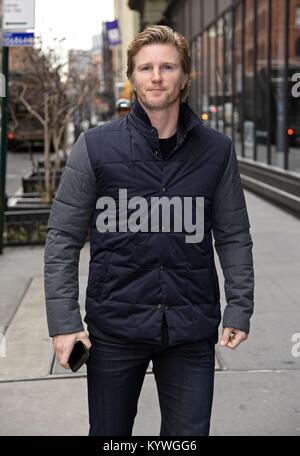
297 16
298 47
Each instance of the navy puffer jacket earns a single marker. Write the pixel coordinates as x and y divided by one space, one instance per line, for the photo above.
135 277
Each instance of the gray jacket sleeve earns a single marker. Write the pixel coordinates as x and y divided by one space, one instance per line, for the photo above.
234 244
68 226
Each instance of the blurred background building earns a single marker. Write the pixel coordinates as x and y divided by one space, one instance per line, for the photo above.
1 16
245 80
244 55
129 24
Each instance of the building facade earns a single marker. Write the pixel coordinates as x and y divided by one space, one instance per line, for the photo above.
129 25
246 72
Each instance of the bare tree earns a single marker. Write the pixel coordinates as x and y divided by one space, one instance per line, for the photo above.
71 95
51 96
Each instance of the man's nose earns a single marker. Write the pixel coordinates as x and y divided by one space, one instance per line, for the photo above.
156 74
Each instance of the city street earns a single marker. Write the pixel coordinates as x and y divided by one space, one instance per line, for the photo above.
185 110
257 385
18 165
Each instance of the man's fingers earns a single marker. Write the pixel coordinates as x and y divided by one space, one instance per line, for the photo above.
63 357
235 341
225 336
63 360
62 353
235 338
63 346
86 341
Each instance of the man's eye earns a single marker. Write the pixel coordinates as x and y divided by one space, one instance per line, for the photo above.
167 67
146 68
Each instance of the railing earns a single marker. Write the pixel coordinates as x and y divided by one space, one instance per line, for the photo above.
272 183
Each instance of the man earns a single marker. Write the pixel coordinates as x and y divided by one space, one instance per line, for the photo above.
123 107
153 289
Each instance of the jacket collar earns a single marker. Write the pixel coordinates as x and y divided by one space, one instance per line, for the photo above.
187 120
140 112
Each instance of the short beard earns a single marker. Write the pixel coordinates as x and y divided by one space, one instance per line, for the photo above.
162 105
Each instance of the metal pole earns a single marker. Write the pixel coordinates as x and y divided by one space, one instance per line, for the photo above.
243 91
255 3
285 83
233 71
224 75
4 119
270 126
216 67
202 56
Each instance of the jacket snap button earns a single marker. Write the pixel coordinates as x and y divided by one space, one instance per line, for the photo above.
159 306
156 152
162 267
164 189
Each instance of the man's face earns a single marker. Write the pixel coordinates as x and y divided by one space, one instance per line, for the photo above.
158 77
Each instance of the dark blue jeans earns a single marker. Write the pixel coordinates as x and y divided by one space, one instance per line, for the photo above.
184 376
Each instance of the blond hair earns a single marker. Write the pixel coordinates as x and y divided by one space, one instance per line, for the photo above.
161 34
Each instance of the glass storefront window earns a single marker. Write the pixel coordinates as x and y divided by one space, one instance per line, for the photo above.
243 84
205 106
238 98
199 58
228 73
220 73
248 130
278 84
193 86
196 88
293 104
262 106
212 102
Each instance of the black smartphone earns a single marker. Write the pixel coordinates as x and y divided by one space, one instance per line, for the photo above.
78 356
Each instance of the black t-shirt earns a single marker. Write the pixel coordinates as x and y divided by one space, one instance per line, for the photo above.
167 145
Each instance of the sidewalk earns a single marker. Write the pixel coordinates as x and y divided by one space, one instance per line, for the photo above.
256 386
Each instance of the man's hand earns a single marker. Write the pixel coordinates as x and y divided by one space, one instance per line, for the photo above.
232 337
63 345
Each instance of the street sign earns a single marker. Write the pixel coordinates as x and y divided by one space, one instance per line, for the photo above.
113 33
18 15
17 39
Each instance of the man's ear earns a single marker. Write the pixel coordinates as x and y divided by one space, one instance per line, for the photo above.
184 83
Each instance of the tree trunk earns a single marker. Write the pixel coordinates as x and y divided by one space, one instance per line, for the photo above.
56 143
47 136
65 144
